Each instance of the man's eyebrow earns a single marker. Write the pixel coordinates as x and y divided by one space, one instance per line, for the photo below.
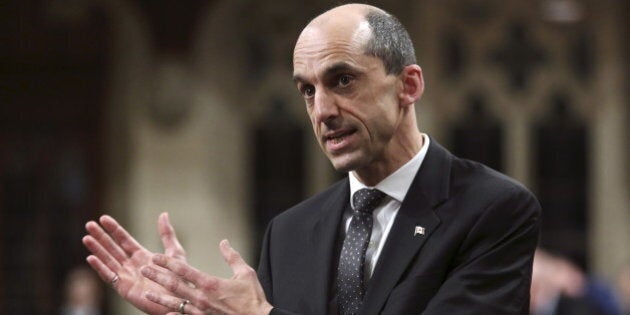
333 69
298 79
339 67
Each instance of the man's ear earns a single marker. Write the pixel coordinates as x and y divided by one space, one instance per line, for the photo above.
412 85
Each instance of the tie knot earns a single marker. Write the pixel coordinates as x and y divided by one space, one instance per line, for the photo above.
366 200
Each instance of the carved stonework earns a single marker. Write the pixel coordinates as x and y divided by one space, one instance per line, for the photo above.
517 56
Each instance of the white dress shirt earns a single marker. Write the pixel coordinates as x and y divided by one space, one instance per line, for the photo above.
395 186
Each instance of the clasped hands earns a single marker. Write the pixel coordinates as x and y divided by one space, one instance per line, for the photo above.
166 283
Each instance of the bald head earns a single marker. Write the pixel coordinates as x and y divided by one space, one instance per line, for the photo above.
347 14
374 31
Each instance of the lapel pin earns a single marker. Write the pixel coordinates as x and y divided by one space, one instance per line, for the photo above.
419 230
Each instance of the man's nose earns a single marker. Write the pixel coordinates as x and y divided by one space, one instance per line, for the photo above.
325 107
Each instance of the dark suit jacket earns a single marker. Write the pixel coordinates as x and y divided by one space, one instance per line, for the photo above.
481 230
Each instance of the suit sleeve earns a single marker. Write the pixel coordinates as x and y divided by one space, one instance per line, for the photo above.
492 271
264 273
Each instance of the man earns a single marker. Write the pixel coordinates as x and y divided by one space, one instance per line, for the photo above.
412 229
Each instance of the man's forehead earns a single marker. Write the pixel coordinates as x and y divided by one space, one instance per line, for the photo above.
323 39
356 34
315 55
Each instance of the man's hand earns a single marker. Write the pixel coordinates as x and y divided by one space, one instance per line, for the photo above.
242 294
117 258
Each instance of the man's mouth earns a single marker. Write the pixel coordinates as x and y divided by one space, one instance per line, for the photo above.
336 140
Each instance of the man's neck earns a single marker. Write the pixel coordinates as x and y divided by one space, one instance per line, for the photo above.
376 172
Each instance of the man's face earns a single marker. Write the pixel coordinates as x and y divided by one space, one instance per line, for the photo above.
351 101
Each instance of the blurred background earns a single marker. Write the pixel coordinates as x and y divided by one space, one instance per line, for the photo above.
135 107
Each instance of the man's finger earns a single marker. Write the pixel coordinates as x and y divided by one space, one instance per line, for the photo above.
106 241
170 302
169 281
184 271
103 255
173 303
234 259
120 235
106 274
171 244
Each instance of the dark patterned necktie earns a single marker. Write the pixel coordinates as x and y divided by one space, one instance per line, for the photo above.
350 277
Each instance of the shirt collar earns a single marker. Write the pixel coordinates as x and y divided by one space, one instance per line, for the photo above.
396 184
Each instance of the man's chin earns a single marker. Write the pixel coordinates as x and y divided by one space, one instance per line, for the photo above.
342 169
344 164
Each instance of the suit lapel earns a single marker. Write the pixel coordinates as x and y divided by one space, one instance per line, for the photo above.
324 247
428 190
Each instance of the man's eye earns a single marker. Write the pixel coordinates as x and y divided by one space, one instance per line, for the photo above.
308 91
344 80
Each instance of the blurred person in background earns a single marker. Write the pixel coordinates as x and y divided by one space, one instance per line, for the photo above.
83 293
559 287
623 284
